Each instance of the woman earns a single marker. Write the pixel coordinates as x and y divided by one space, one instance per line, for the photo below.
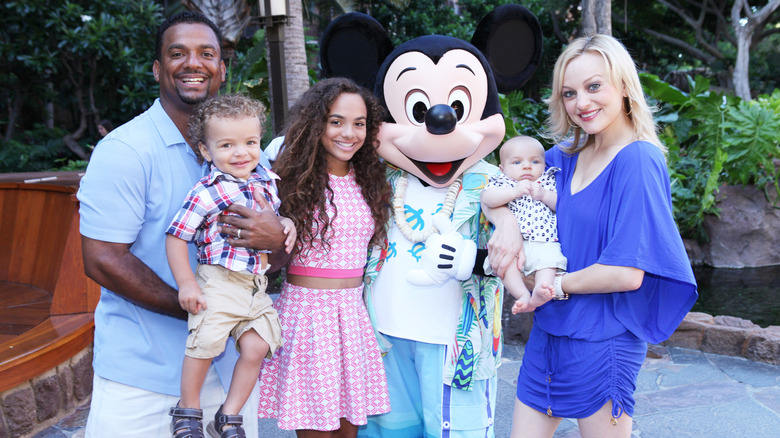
629 279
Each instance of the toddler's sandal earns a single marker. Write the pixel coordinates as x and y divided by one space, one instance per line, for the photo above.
236 430
186 422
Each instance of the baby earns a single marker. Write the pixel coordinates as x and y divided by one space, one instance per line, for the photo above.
529 192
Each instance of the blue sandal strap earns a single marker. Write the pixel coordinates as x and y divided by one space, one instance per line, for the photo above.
221 420
186 422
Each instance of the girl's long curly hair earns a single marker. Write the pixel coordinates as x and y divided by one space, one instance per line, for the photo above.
303 164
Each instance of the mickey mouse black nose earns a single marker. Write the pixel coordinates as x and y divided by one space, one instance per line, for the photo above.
440 119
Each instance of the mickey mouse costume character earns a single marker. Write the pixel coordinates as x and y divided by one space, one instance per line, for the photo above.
426 300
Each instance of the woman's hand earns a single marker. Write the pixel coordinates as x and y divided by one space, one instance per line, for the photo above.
506 244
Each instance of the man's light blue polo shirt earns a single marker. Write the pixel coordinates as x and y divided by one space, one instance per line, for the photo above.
136 181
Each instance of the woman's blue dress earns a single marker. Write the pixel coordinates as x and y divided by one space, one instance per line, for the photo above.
588 350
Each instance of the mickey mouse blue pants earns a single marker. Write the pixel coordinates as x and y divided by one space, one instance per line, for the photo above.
422 406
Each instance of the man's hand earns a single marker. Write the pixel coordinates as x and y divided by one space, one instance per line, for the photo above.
260 230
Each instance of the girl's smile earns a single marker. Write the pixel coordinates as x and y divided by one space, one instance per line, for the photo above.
345 131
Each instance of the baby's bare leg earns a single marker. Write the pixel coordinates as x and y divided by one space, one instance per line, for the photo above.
514 284
543 288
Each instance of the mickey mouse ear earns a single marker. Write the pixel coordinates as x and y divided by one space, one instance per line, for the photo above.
510 37
354 46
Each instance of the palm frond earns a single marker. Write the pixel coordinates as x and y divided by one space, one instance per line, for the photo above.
231 16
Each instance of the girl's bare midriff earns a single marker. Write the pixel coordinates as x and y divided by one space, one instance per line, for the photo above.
323 282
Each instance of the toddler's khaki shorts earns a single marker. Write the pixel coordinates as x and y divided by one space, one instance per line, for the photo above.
236 303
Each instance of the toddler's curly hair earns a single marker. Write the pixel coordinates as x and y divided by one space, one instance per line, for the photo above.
229 106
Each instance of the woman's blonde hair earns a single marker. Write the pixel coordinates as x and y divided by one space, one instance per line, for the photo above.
622 74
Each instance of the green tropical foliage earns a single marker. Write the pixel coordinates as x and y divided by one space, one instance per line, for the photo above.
32 150
714 139
65 66
249 73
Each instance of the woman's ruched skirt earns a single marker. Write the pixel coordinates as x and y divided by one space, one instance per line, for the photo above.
574 378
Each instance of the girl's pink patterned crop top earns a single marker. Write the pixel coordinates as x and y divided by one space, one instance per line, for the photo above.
349 235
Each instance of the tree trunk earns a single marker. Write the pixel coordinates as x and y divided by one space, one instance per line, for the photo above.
49 107
744 29
75 147
596 17
13 112
71 139
742 66
295 53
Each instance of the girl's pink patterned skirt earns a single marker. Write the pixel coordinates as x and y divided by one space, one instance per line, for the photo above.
329 366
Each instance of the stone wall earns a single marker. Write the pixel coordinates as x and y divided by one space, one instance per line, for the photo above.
746 233
728 335
39 403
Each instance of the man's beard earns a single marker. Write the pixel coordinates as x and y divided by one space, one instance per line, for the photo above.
193 99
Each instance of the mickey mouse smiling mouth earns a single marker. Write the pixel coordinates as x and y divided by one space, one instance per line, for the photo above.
439 173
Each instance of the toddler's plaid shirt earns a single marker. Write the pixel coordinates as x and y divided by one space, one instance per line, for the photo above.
197 218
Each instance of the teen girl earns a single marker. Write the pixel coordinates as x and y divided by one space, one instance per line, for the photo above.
328 376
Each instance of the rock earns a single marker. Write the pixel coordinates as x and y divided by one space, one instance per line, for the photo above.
695 253
746 233
47 397
656 352
764 346
690 333
731 341
81 366
66 385
733 321
19 411
729 335
3 429
696 319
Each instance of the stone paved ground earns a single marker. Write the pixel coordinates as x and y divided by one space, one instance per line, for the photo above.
680 393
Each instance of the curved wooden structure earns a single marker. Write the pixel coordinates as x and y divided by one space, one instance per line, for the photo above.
46 301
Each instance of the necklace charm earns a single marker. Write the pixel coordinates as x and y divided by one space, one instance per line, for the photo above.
399 213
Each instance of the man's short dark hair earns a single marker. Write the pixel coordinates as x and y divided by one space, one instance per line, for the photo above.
184 17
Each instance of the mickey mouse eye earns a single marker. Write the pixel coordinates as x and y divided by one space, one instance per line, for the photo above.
461 103
417 105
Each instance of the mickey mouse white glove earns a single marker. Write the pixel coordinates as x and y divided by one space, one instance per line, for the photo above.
447 255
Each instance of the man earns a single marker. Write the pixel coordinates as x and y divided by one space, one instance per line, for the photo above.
137 179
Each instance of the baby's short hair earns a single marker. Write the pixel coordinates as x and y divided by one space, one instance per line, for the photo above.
520 139
230 106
